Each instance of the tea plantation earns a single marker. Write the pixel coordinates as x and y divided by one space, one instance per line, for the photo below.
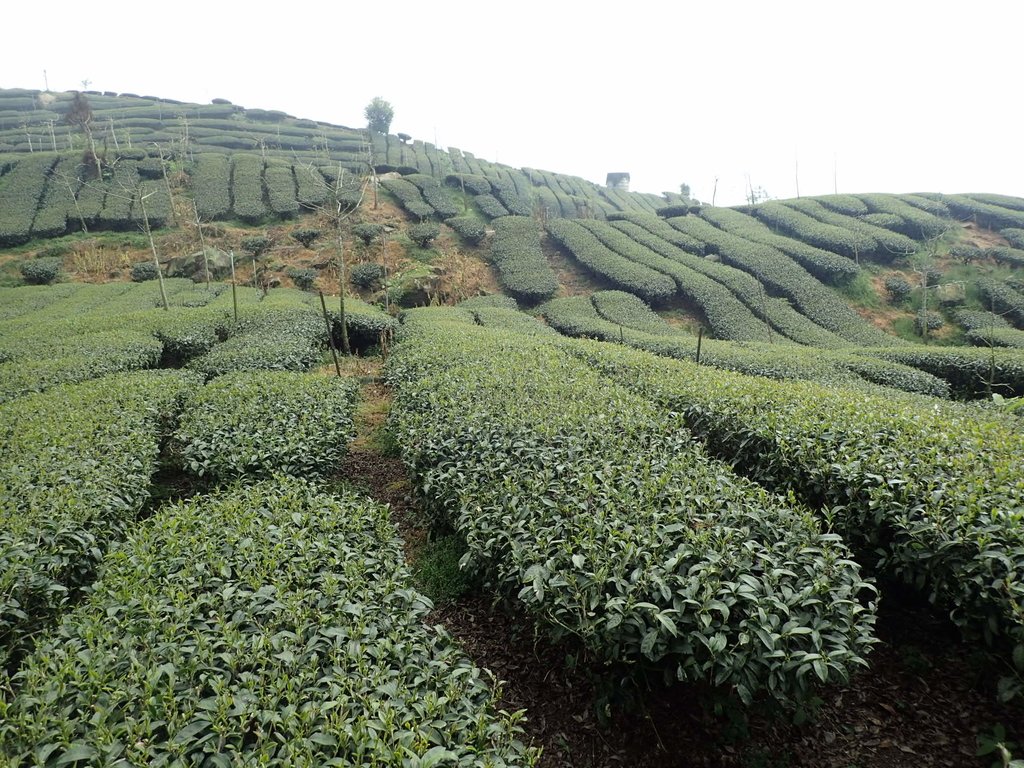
688 447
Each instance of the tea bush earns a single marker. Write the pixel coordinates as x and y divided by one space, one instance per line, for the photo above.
516 254
75 467
634 277
265 422
596 510
271 625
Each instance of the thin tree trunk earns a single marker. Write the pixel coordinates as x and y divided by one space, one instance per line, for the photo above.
345 346
167 182
202 244
152 246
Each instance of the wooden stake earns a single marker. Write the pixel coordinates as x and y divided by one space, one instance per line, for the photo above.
234 292
330 334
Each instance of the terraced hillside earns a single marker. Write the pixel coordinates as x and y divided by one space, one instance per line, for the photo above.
704 453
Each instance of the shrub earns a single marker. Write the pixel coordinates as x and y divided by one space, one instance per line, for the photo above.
898 287
642 280
367 232
306 236
490 206
281 191
424 233
211 186
143 271
255 244
247 188
409 196
965 253
583 506
305 645
260 423
55 249
927 321
469 228
366 275
517 255
303 278
41 271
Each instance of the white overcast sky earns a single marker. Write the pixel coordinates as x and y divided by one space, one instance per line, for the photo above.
894 96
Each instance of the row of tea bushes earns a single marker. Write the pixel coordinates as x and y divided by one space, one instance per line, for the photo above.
47 195
660 236
912 222
733 302
934 489
597 510
409 197
997 337
516 254
211 186
971 372
80 358
91 330
254 189
823 264
1004 299
271 625
880 243
727 316
259 423
69 333
75 467
247 193
576 316
626 309
291 339
985 213
801 226
784 276
436 196
635 277
20 192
